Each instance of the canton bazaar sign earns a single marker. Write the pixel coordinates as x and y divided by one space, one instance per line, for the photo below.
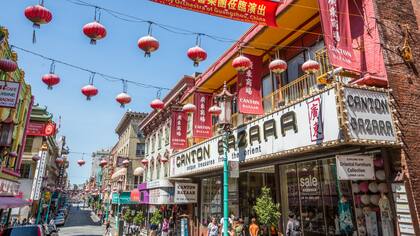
309 123
261 12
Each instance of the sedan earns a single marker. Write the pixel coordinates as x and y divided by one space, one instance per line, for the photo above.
59 220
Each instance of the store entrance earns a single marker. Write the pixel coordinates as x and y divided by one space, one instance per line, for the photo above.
309 192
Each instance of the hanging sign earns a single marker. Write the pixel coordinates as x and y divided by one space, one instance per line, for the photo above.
186 192
336 28
202 118
355 167
233 169
261 12
41 129
249 89
179 130
9 94
9 188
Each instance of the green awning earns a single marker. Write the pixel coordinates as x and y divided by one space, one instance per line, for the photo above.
123 198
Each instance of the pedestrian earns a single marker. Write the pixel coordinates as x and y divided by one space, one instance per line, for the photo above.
107 227
213 228
32 221
239 227
171 226
254 228
293 227
230 221
24 222
165 227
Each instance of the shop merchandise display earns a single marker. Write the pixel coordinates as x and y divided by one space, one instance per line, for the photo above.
372 208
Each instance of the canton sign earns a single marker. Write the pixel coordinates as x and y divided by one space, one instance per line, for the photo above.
369 115
310 122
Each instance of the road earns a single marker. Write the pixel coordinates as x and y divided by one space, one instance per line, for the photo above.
81 222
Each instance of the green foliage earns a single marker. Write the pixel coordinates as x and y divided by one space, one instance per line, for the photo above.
127 216
157 217
139 218
267 211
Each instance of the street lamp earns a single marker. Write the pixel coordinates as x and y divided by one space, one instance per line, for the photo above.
225 101
119 221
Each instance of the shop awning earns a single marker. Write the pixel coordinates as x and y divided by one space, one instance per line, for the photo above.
119 173
12 202
138 171
122 198
135 195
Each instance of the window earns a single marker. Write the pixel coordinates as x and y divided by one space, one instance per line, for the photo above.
159 137
25 171
166 135
153 145
140 149
294 67
29 144
268 87
147 146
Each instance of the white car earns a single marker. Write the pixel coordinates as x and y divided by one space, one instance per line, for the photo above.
59 220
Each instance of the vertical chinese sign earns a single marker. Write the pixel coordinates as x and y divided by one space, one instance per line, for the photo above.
179 130
261 12
337 34
202 118
315 119
249 89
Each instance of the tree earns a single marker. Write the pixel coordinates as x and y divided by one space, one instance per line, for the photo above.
127 216
157 217
267 211
139 218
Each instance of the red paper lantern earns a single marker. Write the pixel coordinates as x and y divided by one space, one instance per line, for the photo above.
189 108
277 66
35 157
51 80
197 55
81 162
145 162
95 31
215 110
148 44
163 160
7 65
242 64
310 66
157 104
89 91
103 163
123 99
59 161
38 14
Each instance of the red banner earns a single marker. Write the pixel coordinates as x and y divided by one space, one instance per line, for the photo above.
41 129
202 118
179 130
249 88
337 35
261 12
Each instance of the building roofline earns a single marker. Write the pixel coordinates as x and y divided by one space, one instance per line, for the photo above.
127 115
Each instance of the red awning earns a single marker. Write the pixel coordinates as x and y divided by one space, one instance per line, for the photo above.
135 195
12 202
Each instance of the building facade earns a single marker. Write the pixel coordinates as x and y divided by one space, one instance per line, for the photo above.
16 102
336 146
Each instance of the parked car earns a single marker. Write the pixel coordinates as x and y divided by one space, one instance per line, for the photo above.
27 230
59 220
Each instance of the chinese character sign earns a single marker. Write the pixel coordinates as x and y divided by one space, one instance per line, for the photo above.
337 35
315 119
179 130
202 118
249 89
253 11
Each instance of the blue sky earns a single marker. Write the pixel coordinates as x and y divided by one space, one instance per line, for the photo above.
90 125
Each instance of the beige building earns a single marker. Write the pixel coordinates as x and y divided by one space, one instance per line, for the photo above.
128 152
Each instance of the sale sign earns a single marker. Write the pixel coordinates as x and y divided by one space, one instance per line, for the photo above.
261 12
202 118
249 89
179 130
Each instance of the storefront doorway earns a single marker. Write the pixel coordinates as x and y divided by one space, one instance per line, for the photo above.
310 191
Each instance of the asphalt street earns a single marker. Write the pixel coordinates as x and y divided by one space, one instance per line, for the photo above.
81 222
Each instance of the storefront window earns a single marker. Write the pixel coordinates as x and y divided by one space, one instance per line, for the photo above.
211 199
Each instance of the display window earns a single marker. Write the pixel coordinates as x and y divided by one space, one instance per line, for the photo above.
211 199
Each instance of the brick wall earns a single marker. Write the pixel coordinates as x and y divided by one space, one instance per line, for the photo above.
391 14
